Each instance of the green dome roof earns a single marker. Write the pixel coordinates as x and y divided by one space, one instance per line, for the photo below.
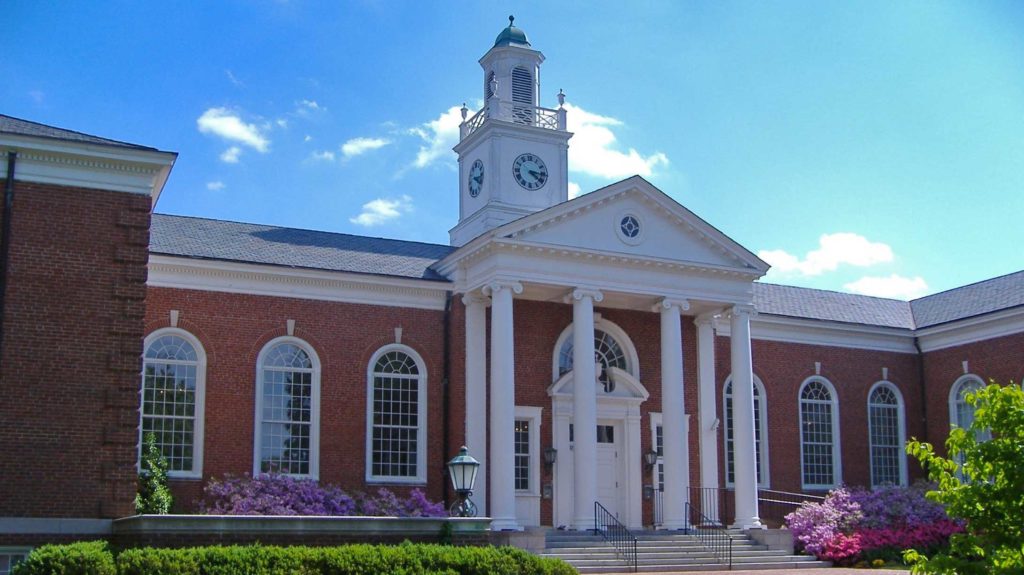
511 35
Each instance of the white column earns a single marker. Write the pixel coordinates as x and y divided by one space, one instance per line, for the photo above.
708 411
476 392
584 408
503 410
673 410
744 459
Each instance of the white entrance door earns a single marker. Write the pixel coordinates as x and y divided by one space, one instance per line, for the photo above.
608 465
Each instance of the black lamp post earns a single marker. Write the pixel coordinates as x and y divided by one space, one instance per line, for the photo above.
462 469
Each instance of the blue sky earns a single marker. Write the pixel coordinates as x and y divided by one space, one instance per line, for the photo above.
873 147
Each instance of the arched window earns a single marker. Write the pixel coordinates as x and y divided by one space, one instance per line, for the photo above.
760 432
886 435
611 346
288 409
396 435
819 435
961 413
173 393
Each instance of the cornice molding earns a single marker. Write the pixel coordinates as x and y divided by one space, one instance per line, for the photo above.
256 279
830 334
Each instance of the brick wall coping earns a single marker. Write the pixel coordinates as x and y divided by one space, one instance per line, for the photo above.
57 525
296 525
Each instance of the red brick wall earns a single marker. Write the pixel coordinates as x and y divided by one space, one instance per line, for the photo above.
233 328
783 367
999 359
72 339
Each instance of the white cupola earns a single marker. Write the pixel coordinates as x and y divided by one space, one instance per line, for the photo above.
513 153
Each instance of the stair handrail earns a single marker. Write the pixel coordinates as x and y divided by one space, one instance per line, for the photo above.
615 532
712 535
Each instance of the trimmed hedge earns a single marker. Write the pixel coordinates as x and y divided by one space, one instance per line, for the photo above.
406 559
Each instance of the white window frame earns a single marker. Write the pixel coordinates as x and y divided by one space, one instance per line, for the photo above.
659 464
837 460
762 446
901 431
198 425
314 415
617 333
421 416
957 392
533 416
9 551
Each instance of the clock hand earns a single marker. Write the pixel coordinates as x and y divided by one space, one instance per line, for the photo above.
534 173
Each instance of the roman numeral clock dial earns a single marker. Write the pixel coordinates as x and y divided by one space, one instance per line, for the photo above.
530 171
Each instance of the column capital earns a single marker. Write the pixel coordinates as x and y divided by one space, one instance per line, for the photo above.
579 293
743 310
472 298
666 304
496 286
708 318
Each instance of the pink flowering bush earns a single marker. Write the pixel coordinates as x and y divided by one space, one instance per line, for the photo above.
275 494
854 525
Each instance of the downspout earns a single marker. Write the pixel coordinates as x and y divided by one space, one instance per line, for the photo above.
923 391
445 393
5 238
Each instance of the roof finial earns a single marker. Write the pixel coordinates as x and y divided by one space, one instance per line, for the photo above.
511 19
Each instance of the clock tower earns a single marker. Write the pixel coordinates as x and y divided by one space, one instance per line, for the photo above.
513 154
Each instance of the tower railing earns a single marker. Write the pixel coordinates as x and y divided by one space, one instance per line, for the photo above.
514 113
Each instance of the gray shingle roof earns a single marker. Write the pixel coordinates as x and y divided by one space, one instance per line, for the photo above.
831 306
272 245
11 125
996 294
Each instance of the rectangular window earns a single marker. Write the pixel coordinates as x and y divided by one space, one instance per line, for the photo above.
286 427
11 557
886 451
606 434
395 426
816 432
522 455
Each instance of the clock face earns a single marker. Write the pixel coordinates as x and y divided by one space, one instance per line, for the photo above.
476 178
530 171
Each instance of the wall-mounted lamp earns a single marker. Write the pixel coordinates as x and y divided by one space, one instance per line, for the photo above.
550 455
650 458
648 492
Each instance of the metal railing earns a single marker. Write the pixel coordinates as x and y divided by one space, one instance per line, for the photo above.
711 534
773 506
615 533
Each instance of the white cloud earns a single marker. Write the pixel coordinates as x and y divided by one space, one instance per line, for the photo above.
357 146
215 186
574 190
308 138
228 125
592 150
381 210
311 105
230 155
324 156
439 136
281 123
833 250
234 80
894 286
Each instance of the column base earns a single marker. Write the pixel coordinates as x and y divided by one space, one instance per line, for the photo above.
505 524
749 523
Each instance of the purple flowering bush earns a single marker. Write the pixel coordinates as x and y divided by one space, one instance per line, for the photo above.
854 525
275 494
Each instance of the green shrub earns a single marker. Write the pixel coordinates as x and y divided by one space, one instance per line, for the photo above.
154 495
88 558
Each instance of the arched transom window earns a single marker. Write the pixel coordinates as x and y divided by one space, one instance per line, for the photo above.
288 409
819 435
760 433
397 401
172 399
886 435
608 351
961 413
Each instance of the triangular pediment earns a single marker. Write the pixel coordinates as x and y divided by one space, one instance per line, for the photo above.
635 219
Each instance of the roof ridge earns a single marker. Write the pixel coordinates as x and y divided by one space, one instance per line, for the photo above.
972 284
844 293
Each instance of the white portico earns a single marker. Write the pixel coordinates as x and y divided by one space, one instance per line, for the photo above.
627 246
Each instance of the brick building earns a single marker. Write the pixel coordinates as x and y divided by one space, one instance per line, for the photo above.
367 362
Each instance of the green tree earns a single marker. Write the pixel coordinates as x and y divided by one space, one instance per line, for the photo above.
154 496
981 481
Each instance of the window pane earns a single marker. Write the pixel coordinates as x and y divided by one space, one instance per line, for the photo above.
522 455
168 407
395 416
816 434
287 411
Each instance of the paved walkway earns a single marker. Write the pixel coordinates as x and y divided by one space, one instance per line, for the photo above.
814 571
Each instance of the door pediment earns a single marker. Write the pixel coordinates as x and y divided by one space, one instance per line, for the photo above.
626 387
